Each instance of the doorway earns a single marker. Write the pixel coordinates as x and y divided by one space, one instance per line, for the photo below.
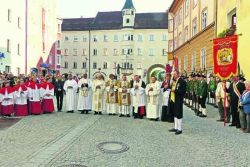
44 72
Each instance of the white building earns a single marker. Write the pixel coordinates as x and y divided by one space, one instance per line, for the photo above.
12 36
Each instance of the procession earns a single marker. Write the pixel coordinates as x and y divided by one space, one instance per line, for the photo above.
156 101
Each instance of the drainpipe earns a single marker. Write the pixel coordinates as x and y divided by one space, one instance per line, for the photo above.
26 36
216 19
89 51
173 38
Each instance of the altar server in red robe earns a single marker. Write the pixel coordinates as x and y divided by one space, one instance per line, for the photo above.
34 97
21 94
7 94
47 92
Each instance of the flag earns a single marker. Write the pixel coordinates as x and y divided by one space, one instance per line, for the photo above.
176 65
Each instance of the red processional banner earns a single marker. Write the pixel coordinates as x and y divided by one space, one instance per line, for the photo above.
43 28
176 65
225 57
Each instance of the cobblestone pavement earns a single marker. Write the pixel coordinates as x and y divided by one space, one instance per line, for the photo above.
59 139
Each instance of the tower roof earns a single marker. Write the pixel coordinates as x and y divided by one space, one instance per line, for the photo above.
128 5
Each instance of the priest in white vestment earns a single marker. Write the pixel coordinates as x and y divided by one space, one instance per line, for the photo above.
35 97
47 92
112 95
70 87
98 88
7 95
139 97
85 95
153 94
124 99
21 94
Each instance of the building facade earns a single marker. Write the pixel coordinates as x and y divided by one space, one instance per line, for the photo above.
42 30
12 37
130 39
191 31
236 12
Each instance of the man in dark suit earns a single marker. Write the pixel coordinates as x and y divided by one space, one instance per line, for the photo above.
179 90
59 92
236 89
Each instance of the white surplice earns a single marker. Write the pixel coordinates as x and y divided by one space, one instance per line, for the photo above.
9 96
165 96
139 96
34 94
70 94
47 91
98 93
112 107
85 95
153 100
21 98
124 109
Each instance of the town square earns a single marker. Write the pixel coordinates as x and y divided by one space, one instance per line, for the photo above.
126 83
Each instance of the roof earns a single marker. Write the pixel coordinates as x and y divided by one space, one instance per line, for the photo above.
128 5
113 20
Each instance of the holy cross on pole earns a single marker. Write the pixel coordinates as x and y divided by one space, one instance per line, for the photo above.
225 62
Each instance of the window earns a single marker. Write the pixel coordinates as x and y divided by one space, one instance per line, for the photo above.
84 38
130 51
105 65
9 15
175 21
194 61
115 37
75 65
186 34
180 16
66 52
234 18
66 65
139 65
75 53
127 37
132 12
95 65
84 65
171 46
95 52
194 3
179 64
187 7
152 37
75 38
58 44
8 45
164 37
19 22
204 19
203 58
84 52
105 51
94 38
171 25
50 58
18 49
127 51
194 27
116 52
139 37
58 59
180 39
105 37
185 63
164 52
66 38
175 43
7 69
127 20
59 28
139 52
151 52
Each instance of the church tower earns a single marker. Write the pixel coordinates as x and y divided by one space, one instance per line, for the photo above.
128 14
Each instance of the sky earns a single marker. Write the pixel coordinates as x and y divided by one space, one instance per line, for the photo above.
89 8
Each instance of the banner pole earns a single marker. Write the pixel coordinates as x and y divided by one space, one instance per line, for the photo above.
225 103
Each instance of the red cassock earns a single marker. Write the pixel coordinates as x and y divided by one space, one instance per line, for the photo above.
7 105
34 98
21 107
47 103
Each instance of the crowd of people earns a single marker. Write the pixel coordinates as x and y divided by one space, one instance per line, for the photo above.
21 96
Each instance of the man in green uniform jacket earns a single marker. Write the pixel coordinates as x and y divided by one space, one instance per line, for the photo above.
202 92
196 96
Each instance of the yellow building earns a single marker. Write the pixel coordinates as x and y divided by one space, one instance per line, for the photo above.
127 38
236 12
